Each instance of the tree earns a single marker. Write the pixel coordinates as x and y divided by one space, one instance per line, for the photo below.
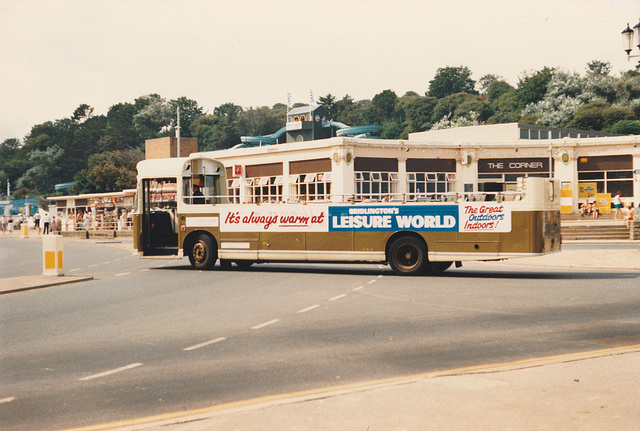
418 112
329 102
599 116
451 80
596 67
627 127
485 82
532 86
460 105
82 113
382 107
109 172
120 132
44 172
496 89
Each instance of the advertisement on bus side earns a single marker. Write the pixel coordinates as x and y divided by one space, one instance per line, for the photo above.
464 217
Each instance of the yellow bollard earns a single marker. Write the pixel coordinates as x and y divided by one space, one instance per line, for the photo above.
52 255
24 230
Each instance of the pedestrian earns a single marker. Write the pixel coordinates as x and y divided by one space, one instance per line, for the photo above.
595 209
3 224
10 224
617 205
59 224
87 220
46 221
36 221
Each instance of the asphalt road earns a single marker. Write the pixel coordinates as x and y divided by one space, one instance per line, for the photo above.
148 337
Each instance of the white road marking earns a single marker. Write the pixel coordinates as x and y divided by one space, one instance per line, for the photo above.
74 270
197 346
122 273
108 373
371 281
335 298
6 400
93 266
358 288
262 325
144 270
304 310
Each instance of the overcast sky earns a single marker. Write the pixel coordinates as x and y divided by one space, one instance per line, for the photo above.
58 54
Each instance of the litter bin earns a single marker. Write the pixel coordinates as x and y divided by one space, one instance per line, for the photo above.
52 254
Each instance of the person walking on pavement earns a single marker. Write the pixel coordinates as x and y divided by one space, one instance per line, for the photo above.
87 220
46 220
36 221
617 205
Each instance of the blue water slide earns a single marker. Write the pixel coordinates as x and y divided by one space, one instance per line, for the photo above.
358 131
254 141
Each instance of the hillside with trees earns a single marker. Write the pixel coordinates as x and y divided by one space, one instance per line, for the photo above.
99 152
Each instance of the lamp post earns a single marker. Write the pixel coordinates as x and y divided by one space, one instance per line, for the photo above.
178 127
628 37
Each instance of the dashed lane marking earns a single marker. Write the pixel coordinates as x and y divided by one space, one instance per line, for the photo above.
121 274
335 298
110 372
262 325
206 343
6 400
304 310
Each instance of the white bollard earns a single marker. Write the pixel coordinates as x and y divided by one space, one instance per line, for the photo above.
52 254
24 230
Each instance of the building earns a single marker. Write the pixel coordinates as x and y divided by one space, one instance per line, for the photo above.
468 160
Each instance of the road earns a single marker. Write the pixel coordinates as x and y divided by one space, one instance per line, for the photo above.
149 337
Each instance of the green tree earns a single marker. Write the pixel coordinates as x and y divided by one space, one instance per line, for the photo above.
383 107
532 86
451 80
485 82
329 102
627 127
120 132
45 170
599 116
109 172
496 89
460 105
418 112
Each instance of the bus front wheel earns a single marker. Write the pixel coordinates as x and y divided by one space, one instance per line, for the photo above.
203 254
407 256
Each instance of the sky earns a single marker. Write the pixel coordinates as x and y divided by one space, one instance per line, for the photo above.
58 54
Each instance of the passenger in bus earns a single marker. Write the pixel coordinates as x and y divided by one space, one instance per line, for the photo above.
197 192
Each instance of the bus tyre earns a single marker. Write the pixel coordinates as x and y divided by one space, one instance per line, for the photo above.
203 254
408 256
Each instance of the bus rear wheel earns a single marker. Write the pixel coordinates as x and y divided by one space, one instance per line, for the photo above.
203 254
408 256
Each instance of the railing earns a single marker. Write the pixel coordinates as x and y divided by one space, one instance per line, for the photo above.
450 197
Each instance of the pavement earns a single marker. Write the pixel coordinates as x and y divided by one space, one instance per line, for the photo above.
593 390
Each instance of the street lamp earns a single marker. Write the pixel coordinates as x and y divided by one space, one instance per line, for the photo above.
627 39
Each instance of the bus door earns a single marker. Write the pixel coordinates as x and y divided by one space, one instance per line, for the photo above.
158 218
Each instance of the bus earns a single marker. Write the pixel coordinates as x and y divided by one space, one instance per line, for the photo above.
183 209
